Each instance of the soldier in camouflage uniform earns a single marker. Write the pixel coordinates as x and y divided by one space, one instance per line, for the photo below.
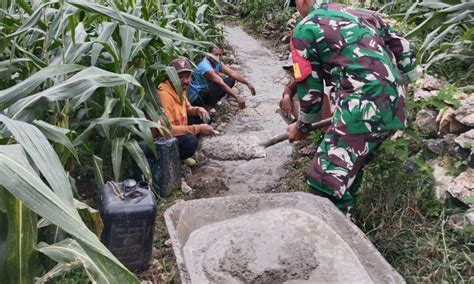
368 65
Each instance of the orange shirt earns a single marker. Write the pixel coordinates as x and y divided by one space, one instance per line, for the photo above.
177 110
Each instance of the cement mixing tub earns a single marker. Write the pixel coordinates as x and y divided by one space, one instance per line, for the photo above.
272 238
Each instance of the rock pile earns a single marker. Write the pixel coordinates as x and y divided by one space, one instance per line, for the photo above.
449 132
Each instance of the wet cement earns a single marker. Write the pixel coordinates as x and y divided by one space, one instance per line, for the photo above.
258 119
272 246
233 148
271 238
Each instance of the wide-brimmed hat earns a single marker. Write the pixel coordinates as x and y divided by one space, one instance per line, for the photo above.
181 65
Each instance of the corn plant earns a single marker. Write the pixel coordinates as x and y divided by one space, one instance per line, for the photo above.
446 31
78 79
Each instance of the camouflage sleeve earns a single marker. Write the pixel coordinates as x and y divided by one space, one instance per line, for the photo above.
406 59
310 91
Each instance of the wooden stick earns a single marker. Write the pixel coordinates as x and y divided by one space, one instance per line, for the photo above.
284 136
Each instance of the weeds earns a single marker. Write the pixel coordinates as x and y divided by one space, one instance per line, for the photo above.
399 214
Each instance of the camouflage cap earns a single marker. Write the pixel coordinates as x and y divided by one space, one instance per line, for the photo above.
181 65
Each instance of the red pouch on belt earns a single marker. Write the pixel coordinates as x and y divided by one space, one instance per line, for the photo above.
301 66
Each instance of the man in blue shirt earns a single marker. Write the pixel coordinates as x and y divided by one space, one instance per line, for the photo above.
207 86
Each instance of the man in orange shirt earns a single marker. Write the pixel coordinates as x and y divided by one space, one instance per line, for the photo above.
187 122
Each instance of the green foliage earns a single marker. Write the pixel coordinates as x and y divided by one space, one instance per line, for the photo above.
457 167
258 14
315 137
444 98
445 31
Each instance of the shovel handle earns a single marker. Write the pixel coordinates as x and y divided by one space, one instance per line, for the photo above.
284 136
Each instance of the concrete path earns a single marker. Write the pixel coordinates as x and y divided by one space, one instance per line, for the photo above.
258 119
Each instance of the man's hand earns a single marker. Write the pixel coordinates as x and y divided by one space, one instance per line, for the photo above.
203 114
205 130
240 102
286 105
252 89
294 134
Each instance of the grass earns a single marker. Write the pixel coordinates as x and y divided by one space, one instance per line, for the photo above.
399 214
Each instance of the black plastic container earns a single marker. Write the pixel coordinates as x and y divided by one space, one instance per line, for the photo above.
128 211
167 174
166 168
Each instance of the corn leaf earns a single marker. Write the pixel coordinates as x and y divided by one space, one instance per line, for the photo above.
3 232
117 150
24 88
98 171
129 20
106 32
79 88
20 179
20 253
137 153
43 155
57 134
116 121
69 254
126 35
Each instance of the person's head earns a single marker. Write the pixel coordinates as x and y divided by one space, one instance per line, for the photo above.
303 6
216 54
184 70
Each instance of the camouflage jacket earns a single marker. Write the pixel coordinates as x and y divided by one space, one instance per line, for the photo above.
364 61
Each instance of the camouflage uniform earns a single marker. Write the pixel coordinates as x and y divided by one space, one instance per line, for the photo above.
367 64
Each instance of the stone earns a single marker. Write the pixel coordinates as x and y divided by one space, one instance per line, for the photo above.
421 94
185 188
450 145
446 146
436 146
441 179
466 140
462 187
459 152
465 113
410 166
431 83
426 122
460 221
470 218
272 238
447 123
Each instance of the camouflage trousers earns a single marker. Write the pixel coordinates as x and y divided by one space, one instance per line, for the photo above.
336 170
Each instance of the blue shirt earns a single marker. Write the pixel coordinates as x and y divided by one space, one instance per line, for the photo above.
200 82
